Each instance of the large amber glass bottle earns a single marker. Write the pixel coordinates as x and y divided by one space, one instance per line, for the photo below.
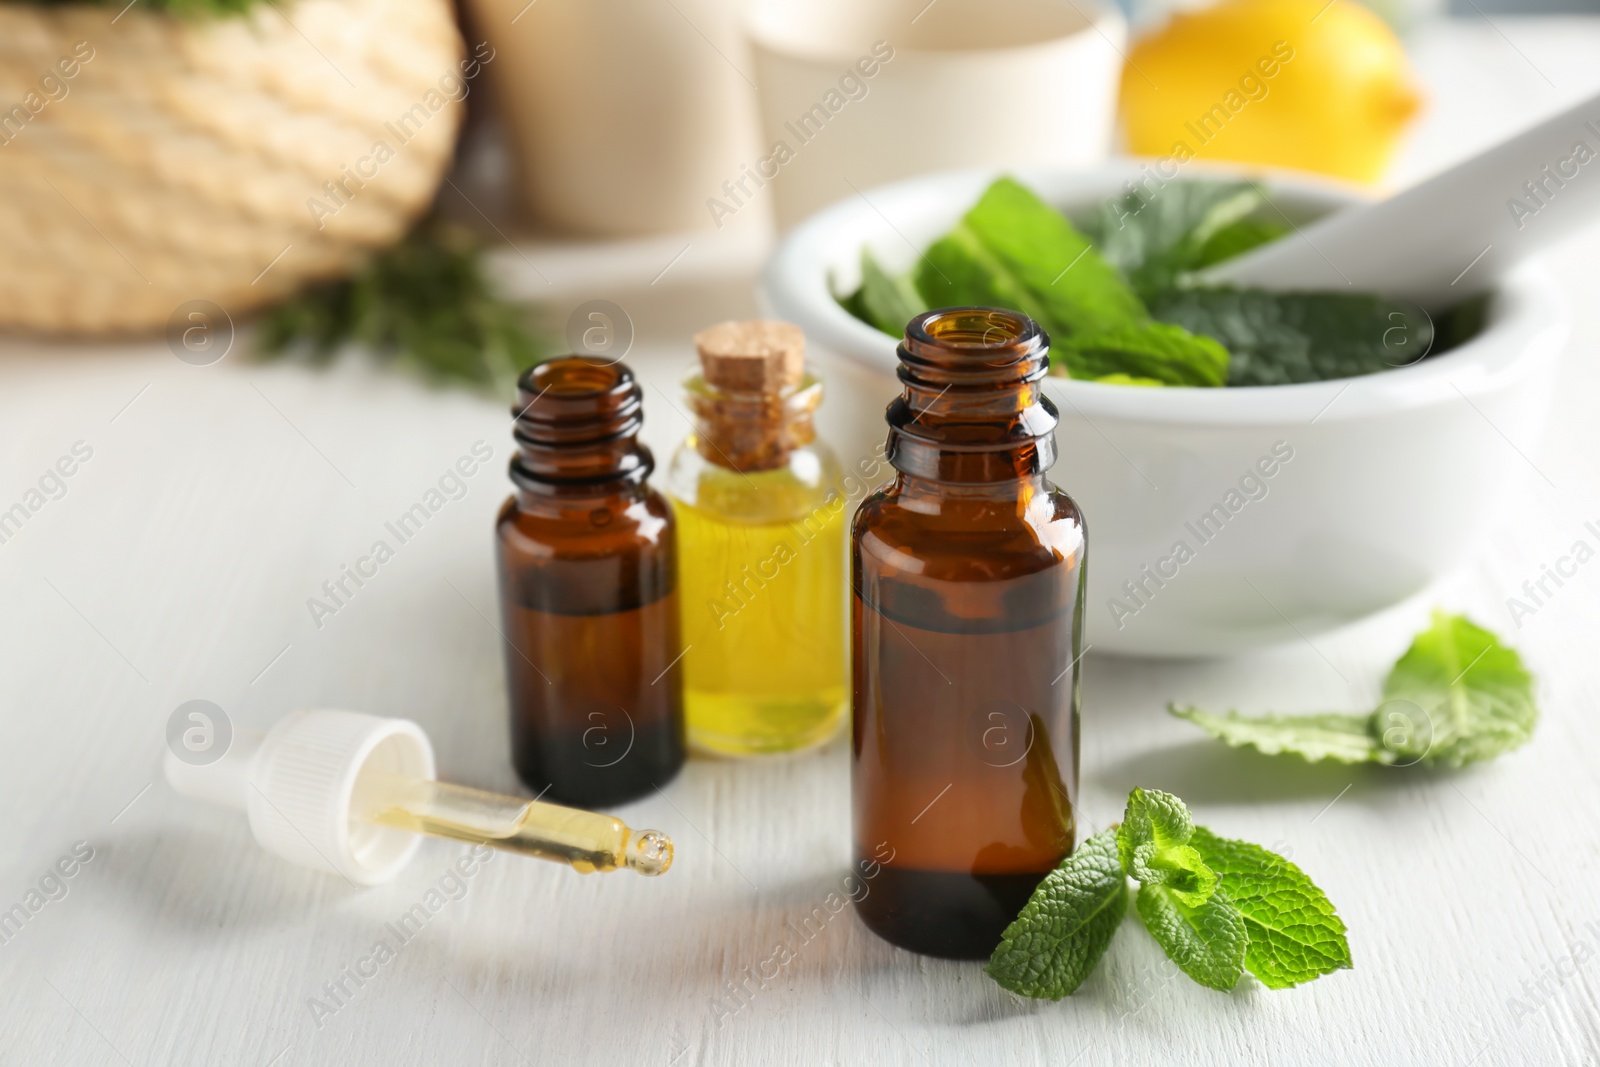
966 626
762 515
588 592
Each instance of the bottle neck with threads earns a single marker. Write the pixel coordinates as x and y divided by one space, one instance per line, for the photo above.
576 424
973 413
753 402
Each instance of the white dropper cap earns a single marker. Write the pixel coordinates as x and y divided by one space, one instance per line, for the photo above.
297 783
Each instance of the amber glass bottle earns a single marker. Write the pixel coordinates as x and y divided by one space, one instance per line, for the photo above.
588 591
966 624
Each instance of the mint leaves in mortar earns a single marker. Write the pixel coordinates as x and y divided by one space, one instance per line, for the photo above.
1457 696
1118 296
1216 906
1013 250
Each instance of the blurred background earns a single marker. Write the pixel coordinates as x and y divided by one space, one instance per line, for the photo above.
448 183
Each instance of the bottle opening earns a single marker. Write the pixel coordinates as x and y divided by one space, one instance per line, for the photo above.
575 420
972 409
982 329
973 347
578 395
575 376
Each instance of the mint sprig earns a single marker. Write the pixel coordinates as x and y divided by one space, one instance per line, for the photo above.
1153 846
1294 933
1064 929
1456 697
1209 943
1216 906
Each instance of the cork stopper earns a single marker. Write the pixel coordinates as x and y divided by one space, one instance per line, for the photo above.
754 356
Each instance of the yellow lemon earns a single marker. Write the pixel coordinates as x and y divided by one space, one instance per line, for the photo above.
1305 84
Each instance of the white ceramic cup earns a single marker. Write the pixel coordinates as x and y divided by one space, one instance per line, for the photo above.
1337 498
624 115
862 92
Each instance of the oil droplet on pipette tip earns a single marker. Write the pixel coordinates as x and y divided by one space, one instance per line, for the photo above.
650 852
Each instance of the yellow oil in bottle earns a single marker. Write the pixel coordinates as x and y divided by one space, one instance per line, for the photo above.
765 670
761 549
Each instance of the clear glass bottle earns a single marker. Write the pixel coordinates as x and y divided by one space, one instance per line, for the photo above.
966 630
588 591
761 527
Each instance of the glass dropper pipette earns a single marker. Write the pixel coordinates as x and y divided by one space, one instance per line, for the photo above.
584 840
349 793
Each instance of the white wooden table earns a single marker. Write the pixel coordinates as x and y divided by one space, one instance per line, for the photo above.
217 499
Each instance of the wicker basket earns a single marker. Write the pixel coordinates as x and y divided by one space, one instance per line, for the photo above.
184 160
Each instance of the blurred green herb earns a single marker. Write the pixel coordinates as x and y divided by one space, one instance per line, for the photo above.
426 303
1117 294
1013 250
1237 238
1461 323
1154 237
885 300
1147 353
1272 338
1013 241
1281 338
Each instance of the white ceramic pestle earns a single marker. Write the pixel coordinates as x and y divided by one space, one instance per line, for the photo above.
1452 235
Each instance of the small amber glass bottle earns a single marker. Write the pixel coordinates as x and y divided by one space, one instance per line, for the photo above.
588 591
761 515
966 625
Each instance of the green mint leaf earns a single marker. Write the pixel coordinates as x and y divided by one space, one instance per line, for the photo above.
855 304
1208 942
1294 933
1236 239
1281 338
1062 932
1057 265
1180 870
887 301
1152 817
1158 351
1331 736
1013 250
1457 696
1155 235
959 270
1152 846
